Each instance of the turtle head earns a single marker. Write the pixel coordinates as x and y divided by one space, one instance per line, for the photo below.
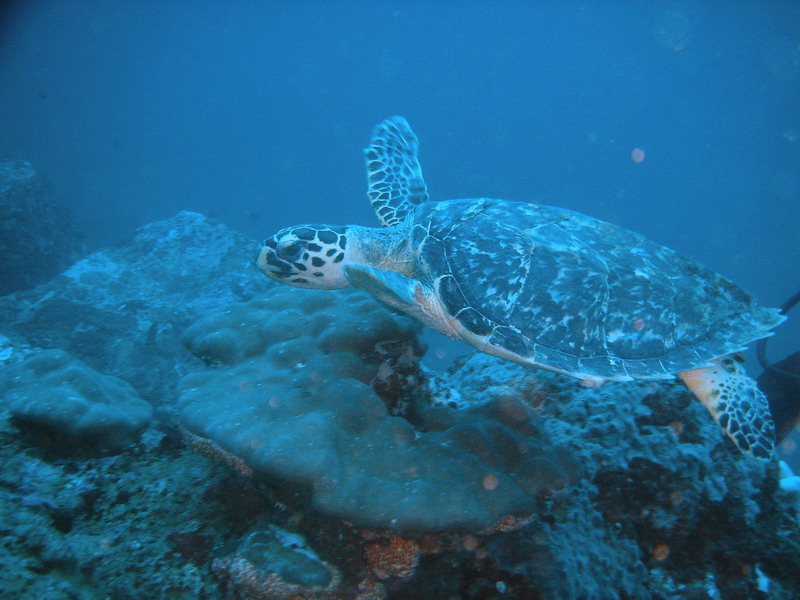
306 256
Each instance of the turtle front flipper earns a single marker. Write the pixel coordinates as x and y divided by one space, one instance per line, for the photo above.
389 287
736 403
393 172
404 294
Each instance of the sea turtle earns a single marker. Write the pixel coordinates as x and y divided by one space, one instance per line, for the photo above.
542 286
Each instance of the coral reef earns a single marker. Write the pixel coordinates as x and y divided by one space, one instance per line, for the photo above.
340 468
50 388
104 527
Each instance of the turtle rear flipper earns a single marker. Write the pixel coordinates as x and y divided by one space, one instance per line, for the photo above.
736 403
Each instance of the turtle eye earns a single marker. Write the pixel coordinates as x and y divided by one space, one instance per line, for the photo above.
290 250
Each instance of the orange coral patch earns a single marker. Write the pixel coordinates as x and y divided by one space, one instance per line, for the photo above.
397 558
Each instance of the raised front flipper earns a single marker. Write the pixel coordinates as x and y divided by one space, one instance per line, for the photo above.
736 403
393 172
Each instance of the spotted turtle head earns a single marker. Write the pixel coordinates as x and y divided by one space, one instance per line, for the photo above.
307 256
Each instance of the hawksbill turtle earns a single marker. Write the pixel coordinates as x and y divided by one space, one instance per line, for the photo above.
542 286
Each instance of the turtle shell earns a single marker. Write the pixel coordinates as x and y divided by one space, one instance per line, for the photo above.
564 291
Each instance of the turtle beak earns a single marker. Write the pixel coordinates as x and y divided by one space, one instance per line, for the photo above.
263 263
261 260
269 268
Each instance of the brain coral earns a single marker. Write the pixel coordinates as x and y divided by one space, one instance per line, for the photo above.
54 389
293 395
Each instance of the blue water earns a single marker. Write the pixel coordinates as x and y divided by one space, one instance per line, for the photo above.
256 113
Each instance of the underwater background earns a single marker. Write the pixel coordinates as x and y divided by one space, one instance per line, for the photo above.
679 120
255 113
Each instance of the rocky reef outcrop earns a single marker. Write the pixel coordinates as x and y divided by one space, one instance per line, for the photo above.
122 310
37 237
